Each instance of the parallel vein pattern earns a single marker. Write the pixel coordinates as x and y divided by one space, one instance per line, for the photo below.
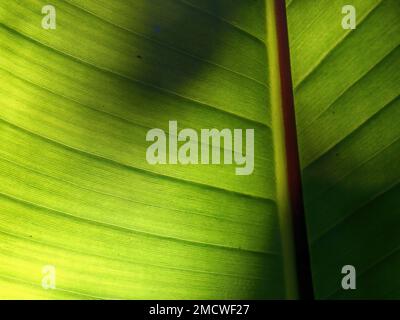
347 86
76 190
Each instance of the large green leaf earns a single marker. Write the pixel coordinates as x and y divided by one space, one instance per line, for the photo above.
346 87
76 191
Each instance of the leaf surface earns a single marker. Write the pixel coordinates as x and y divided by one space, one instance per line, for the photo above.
76 190
346 88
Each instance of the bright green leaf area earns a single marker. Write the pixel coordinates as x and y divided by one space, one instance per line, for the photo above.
346 87
76 191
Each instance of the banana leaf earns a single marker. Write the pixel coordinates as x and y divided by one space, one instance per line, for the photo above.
78 194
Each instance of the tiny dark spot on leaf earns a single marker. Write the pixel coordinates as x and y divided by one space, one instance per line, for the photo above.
139 56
